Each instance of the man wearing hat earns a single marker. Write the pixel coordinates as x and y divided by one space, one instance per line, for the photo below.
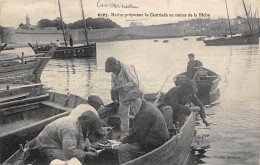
71 41
192 66
148 132
67 137
124 79
173 105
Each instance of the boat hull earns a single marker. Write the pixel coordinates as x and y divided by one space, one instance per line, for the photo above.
237 40
174 151
84 51
25 69
22 120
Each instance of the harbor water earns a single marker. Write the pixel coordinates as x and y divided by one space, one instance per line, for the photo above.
234 133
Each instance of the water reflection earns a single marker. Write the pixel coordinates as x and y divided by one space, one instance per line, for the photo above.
75 73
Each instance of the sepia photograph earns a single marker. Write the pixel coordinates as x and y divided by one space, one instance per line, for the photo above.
129 82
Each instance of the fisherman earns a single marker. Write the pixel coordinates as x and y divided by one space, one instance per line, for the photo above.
67 137
124 79
71 41
192 66
173 105
93 104
58 43
148 132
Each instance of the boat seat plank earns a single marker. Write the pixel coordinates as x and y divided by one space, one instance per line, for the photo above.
55 105
20 108
24 101
14 97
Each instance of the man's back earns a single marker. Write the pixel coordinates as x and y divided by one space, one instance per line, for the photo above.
52 134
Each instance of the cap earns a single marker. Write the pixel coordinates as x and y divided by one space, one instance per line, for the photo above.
191 54
95 99
190 86
110 62
132 95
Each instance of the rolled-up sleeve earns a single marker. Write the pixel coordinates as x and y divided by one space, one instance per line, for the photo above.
69 146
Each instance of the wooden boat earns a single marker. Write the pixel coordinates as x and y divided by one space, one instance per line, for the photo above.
23 69
2 47
207 82
22 119
175 151
245 39
81 51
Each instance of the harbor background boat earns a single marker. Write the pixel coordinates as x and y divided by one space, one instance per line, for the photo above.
234 133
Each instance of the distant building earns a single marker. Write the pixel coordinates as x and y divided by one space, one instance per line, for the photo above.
133 24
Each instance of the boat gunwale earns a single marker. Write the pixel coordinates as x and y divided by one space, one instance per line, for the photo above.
166 143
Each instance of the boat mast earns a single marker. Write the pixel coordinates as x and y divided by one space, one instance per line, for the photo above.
228 19
258 20
247 17
251 12
62 24
85 26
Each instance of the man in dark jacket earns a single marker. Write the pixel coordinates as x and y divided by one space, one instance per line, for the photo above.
71 41
148 132
173 105
192 66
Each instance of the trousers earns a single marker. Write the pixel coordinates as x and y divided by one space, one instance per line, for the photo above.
127 152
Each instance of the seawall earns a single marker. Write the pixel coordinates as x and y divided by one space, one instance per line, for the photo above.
14 36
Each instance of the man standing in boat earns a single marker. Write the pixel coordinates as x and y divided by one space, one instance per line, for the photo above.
71 41
124 79
193 66
149 130
173 105
67 137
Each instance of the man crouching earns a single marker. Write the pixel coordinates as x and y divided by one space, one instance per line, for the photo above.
67 137
148 132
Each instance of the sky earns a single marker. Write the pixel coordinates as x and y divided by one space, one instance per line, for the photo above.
13 12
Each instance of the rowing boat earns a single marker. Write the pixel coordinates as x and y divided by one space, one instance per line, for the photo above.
207 82
22 119
25 68
175 151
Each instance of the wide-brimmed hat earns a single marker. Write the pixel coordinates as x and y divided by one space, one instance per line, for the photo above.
189 86
132 95
110 62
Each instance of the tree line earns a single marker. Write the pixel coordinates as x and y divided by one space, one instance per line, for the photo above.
92 23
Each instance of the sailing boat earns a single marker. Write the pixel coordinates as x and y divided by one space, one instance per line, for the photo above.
243 39
80 51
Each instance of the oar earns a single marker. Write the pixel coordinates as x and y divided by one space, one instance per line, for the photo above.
160 91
